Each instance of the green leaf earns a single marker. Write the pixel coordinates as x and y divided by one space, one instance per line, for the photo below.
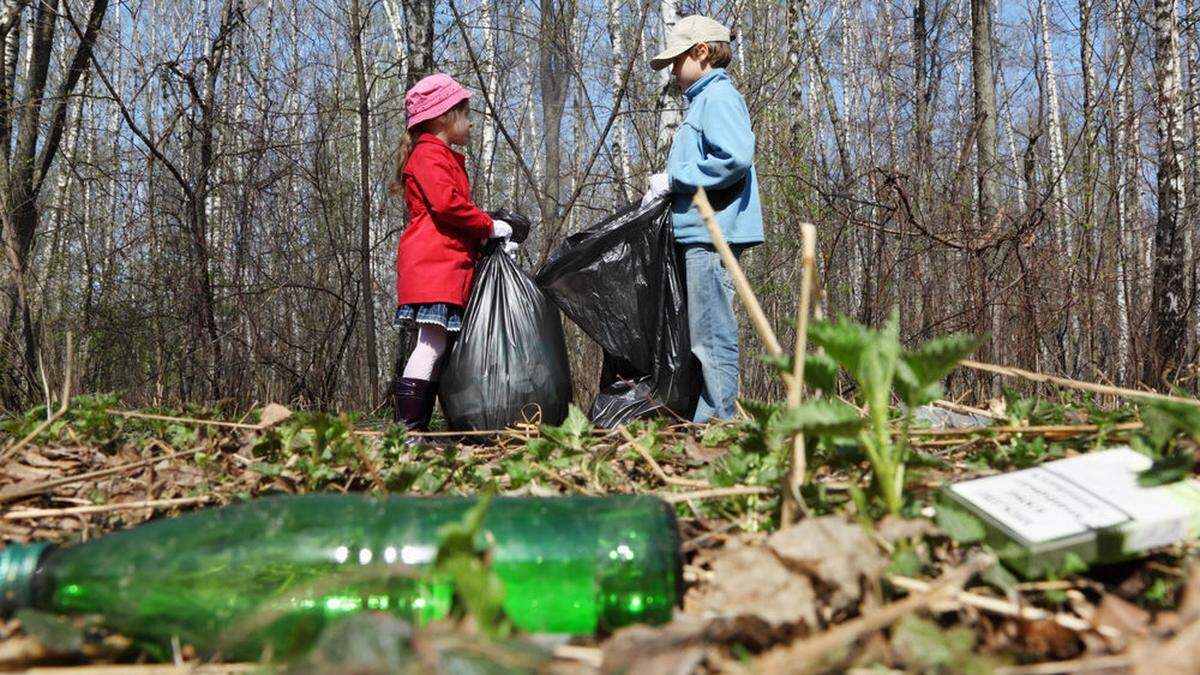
577 424
823 417
1165 420
906 563
937 358
1169 469
476 585
820 372
927 647
267 468
783 363
716 435
844 341
998 576
962 526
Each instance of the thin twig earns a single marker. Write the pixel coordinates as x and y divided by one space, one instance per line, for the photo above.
29 514
1006 608
793 502
715 493
62 408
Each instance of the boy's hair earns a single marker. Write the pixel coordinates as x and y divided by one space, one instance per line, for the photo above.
720 54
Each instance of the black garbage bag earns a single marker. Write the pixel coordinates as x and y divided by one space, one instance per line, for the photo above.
622 282
510 359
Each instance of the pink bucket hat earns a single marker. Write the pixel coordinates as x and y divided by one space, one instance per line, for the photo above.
432 97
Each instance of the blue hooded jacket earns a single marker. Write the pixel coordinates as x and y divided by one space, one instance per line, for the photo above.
714 149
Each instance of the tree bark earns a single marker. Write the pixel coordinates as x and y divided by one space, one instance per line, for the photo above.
987 180
1168 321
366 279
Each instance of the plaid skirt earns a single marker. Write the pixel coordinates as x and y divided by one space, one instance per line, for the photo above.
439 313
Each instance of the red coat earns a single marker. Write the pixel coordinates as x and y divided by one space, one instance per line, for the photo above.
438 250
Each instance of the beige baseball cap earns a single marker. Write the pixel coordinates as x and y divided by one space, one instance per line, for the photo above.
688 32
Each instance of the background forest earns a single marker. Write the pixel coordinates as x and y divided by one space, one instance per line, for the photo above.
196 191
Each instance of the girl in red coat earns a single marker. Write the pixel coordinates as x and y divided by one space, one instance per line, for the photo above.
438 250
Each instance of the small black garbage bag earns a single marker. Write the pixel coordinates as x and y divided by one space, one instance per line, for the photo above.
622 282
510 359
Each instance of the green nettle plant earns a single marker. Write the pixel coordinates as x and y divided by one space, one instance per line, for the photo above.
882 369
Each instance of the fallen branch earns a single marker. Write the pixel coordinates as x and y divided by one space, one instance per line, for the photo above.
1049 429
29 514
1107 390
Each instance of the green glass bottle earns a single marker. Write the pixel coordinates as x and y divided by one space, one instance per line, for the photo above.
261 578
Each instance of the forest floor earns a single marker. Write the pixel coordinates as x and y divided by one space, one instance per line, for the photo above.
848 588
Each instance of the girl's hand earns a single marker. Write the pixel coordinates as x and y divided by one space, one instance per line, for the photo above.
501 229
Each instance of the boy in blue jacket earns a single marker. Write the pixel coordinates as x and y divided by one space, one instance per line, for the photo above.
713 149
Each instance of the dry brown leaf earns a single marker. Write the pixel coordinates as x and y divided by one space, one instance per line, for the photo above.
674 649
755 595
836 553
273 414
1122 615
893 528
1047 639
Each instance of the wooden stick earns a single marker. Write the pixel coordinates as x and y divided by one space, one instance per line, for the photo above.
1034 430
966 409
793 503
151 669
1006 608
741 285
1084 665
1009 371
658 470
29 514
715 493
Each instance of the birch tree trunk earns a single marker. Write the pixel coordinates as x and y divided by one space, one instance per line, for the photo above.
418 24
488 146
620 134
1124 100
670 115
987 181
1168 319
1054 126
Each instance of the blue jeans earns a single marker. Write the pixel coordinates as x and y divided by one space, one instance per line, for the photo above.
714 330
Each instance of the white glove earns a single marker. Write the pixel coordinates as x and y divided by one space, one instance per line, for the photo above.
660 186
510 247
500 229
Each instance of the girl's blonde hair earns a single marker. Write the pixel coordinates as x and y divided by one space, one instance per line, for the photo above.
409 139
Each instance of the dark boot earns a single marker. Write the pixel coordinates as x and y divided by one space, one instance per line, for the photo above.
413 408
430 403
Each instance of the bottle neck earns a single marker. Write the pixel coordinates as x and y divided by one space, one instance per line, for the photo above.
19 566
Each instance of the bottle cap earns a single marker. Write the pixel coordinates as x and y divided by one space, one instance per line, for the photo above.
17 566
